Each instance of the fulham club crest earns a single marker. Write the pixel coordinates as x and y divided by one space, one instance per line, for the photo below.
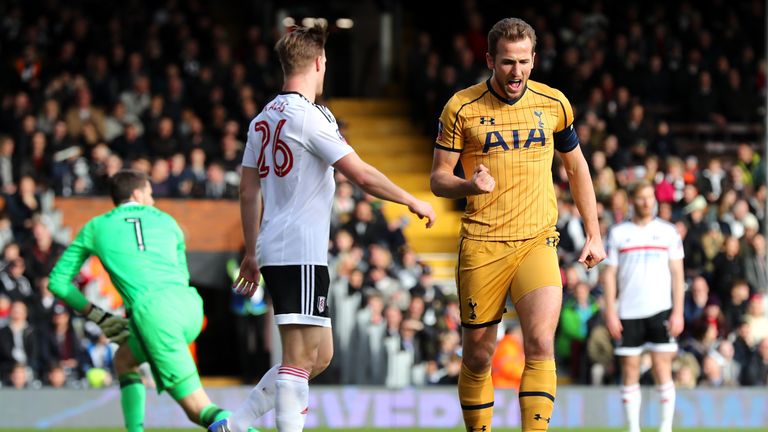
321 304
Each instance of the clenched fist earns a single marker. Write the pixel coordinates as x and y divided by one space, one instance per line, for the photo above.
482 181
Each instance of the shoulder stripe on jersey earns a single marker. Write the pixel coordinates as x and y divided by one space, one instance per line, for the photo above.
457 116
565 116
326 115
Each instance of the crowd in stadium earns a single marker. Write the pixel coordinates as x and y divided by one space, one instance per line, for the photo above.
168 91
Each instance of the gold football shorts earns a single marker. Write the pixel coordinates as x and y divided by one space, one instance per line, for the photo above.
488 271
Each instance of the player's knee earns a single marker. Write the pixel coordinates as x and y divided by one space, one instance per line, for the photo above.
540 346
478 360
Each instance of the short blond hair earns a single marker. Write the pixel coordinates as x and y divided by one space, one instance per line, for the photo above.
300 46
640 186
511 29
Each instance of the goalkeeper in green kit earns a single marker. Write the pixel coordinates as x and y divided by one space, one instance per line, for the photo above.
142 249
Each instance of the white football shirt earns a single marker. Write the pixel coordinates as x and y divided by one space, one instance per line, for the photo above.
642 254
293 143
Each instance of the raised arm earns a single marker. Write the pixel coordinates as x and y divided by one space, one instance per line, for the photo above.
377 184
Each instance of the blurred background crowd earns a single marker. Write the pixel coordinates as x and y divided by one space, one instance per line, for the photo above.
667 92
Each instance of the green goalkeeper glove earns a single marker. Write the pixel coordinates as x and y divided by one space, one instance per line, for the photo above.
114 327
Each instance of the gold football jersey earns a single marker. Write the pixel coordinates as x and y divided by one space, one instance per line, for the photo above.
516 141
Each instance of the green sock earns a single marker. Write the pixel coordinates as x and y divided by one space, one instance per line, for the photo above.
212 413
132 397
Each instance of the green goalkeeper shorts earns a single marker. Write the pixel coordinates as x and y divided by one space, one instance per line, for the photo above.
161 331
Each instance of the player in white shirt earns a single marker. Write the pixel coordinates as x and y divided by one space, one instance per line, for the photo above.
646 254
293 147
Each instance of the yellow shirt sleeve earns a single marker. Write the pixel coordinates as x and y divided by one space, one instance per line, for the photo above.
450 126
566 116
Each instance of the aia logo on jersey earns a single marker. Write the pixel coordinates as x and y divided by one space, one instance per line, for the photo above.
439 130
496 139
321 304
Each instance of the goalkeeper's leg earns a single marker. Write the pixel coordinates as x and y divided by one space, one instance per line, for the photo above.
132 391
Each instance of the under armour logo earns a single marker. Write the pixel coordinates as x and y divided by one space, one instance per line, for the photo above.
552 241
472 305
484 428
489 120
539 417
538 114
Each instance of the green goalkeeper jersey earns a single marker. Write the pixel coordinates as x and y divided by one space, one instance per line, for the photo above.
141 247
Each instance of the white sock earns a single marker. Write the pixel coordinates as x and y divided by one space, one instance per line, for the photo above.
632 399
667 398
260 401
292 402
